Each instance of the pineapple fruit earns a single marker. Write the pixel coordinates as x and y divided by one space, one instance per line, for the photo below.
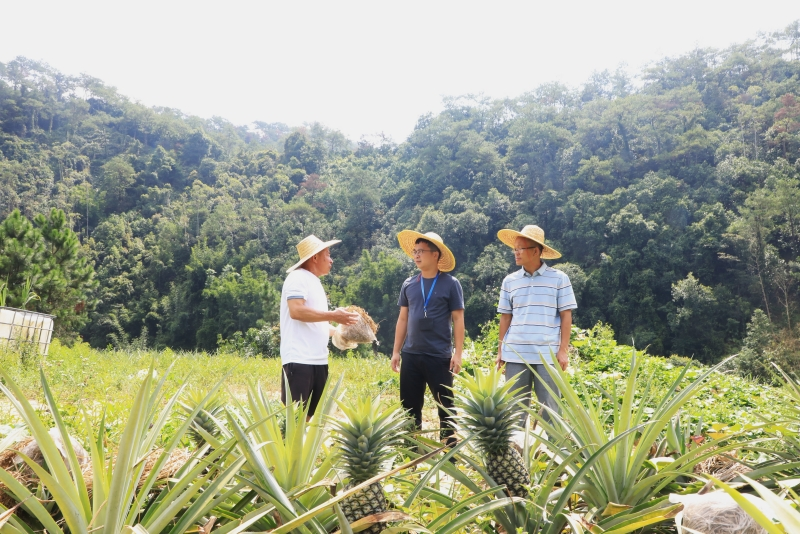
366 437
214 406
491 410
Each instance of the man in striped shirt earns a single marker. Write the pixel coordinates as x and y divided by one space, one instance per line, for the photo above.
536 306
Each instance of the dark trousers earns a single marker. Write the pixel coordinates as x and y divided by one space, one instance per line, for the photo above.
306 383
530 382
419 370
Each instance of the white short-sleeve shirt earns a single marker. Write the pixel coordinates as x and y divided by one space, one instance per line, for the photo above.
303 342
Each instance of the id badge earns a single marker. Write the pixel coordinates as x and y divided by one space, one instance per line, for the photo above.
425 324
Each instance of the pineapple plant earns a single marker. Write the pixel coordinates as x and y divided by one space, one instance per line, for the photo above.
366 436
214 406
491 410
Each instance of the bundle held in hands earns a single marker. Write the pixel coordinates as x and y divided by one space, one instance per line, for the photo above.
717 513
363 331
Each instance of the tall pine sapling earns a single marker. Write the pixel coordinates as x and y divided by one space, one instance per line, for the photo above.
46 255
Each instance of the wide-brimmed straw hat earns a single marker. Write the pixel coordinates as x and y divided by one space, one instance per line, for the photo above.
308 247
447 262
532 232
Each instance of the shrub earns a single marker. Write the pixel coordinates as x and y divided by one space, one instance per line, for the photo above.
264 341
763 346
594 342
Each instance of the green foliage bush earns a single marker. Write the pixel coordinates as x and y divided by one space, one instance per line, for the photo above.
594 343
752 361
764 347
264 342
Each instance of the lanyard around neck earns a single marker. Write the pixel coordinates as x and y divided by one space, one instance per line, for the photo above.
422 288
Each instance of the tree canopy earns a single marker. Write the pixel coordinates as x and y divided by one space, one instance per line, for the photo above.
675 201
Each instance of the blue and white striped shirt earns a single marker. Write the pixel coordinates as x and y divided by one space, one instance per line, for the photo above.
535 301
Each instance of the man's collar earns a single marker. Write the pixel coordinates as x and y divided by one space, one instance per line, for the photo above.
438 272
537 272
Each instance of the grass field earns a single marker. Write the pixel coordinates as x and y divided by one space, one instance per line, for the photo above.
86 380
90 380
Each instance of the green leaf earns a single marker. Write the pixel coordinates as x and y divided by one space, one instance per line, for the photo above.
433 525
32 504
123 478
433 470
74 466
344 524
8 514
250 452
752 510
643 519
613 509
467 517
788 516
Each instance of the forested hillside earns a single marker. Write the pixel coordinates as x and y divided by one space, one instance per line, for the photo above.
675 200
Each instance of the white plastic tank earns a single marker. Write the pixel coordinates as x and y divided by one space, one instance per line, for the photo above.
22 326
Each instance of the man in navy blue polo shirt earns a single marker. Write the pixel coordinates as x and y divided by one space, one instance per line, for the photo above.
431 319
536 304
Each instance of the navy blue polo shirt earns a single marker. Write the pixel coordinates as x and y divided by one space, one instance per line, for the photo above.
436 337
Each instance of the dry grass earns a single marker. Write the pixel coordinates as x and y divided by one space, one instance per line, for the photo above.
11 462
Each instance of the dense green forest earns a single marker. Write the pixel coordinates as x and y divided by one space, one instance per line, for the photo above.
674 198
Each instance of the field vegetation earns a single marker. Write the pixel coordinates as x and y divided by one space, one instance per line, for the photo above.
249 464
84 378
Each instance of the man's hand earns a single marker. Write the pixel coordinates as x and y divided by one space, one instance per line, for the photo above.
499 360
455 363
300 312
344 317
505 324
566 330
563 359
399 337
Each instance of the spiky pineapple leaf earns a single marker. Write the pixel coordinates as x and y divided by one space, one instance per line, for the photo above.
309 515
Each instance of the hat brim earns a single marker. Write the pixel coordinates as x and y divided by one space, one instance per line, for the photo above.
316 250
407 238
508 236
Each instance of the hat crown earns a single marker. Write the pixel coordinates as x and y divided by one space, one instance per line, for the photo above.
407 239
532 231
307 245
433 237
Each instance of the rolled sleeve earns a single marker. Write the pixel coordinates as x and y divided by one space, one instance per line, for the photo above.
294 288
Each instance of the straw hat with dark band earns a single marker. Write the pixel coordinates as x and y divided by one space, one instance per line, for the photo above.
407 238
532 232
308 247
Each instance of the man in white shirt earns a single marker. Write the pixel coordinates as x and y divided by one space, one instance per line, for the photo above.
304 323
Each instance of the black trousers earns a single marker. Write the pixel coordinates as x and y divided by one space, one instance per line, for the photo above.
418 371
306 383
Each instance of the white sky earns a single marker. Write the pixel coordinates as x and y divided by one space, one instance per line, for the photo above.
361 67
